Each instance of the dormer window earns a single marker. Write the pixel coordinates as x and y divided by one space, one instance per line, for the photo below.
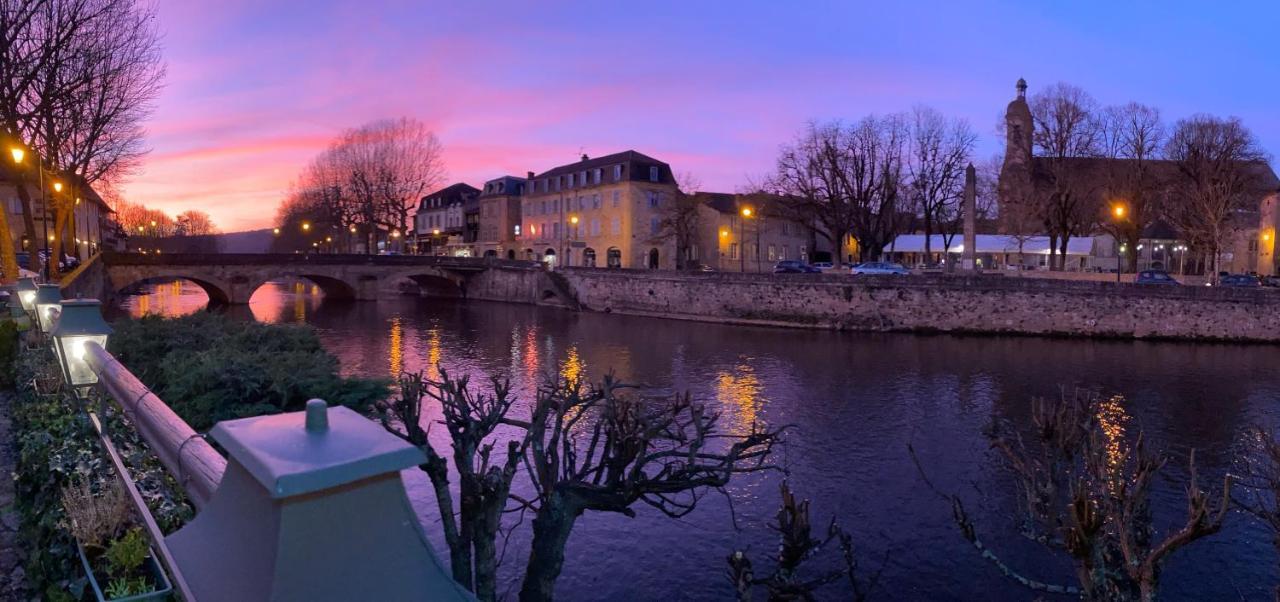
653 174
617 173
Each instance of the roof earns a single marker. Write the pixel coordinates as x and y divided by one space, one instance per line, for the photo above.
1097 172
990 244
449 195
639 163
503 186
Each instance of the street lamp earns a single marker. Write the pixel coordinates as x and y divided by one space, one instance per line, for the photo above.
17 154
306 226
47 301
80 323
275 231
742 237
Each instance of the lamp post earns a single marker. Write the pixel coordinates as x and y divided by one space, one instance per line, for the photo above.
572 234
18 154
47 306
742 239
79 324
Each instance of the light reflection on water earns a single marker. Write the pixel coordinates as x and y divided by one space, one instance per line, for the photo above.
855 401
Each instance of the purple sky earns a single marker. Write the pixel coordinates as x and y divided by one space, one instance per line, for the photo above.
256 88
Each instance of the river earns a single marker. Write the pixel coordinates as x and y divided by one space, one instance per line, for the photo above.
856 401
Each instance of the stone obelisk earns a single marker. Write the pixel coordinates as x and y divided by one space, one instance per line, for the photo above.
969 256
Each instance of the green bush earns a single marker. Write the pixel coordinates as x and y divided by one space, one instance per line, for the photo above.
209 368
8 352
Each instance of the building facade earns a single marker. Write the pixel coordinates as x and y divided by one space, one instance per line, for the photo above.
499 214
91 217
441 218
602 212
747 233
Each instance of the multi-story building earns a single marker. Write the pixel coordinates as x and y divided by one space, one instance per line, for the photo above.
747 233
499 216
441 216
605 212
90 218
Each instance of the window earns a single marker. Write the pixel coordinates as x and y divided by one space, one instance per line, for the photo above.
786 228
653 174
615 227
555 230
558 184
617 173
804 253
617 197
733 250
582 178
555 205
543 229
783 254
595 201
543 211
773 253
654 198
598 175
517 230
655 225
614 257
595 227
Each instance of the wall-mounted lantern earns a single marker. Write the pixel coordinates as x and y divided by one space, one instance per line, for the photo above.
47 301
27 288
79 324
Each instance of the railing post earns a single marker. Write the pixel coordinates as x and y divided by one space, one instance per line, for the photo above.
311 507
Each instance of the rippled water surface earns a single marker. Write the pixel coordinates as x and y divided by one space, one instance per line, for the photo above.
855 402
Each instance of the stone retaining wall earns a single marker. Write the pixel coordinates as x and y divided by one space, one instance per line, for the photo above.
961 304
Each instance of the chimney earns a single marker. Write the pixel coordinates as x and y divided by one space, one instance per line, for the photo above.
529 177
584 156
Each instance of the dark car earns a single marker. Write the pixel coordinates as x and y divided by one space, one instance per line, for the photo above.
1156 277
1239 281
794 267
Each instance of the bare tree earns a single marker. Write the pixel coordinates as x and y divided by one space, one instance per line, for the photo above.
1133 136
1084 492
796 547
939 151
194 223
1065 129
77 77
847 182
1218 161
679 221
602 449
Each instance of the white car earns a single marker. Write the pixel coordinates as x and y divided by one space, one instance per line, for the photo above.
879 268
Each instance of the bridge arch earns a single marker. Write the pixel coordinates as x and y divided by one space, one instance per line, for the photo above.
431 282
219 292
333 287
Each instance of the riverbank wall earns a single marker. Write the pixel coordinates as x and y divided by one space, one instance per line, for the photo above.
943 304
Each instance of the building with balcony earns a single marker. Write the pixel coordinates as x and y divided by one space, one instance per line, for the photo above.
441 218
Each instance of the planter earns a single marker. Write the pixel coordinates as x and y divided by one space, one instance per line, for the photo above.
163 587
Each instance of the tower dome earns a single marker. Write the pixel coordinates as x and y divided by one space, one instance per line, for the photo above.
1022 88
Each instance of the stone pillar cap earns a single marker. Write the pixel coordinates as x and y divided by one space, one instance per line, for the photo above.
288 459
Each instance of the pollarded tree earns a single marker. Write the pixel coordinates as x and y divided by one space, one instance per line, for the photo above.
603 449
1219 162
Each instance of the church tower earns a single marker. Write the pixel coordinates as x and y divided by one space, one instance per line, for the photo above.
1015 175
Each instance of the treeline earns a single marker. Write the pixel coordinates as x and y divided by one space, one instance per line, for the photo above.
364 187
77 78
139 220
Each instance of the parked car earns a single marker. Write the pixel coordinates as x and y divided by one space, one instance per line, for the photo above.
1239 281
880 267
1271 281
1158 277
822 265
792 266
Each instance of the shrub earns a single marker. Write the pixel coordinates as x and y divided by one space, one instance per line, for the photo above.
8 352
208 367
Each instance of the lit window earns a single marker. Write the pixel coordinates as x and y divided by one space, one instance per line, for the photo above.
733 250
517 229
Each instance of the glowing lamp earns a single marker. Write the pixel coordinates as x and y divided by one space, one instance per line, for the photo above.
27 288
1118 211
574 220
17 154
328 239
306 226
1266 236
724 233
353 229
275 231
436 231
57 186
47 301
746 212
79 324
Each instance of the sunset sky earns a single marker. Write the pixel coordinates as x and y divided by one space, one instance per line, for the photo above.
256 88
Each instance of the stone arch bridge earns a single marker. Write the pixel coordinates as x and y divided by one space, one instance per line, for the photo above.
232 278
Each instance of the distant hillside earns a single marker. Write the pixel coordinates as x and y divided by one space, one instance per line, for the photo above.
253 241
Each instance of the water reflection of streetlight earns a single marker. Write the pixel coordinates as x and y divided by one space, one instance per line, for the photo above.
573 367
739 394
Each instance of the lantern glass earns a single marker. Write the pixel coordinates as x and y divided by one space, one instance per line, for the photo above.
27 293
47 306
71 354
79 324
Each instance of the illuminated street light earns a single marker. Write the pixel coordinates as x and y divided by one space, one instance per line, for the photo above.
353 229
328 239
395 234
275 231
436 231
1118 211
724 233
27 288
573 220
17 154
79 323
746 212
139 228
57 186
306 226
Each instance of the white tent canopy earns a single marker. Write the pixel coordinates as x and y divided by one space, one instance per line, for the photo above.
990 244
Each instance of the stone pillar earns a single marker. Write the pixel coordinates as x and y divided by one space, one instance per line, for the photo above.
969 257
